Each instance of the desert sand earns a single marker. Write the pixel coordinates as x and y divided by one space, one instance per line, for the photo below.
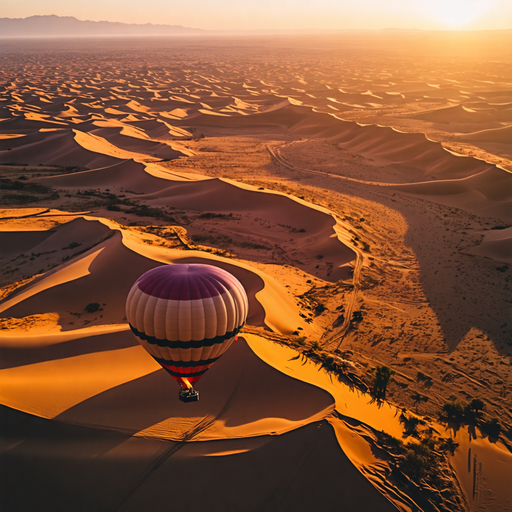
363 197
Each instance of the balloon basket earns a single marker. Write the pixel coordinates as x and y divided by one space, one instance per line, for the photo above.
189 395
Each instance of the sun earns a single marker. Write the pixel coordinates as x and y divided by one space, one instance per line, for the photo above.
457 13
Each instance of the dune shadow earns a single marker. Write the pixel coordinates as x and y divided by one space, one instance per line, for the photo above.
237 391
453 284
48 463
464 291
11 357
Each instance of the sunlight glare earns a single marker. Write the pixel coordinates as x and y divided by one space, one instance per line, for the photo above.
458 13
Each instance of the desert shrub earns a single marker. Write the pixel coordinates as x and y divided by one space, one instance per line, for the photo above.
419 459
292 229
473 410
210 215
320 309
458 411
143 210
252 245
19 197
414 464
315 345
219 239
357 316
92 307
36 188
72 245
453 410
476 405
328 361
301 340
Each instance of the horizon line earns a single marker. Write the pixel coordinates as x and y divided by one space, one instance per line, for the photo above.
213 31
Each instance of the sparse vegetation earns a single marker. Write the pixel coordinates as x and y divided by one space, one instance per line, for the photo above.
72 245
292 229
458 411
22 191
143 210
223 216
472 414
422 464
92 307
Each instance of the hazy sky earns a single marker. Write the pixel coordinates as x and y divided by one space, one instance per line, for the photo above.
286 14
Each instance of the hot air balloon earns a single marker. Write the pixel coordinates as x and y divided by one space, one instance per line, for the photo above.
186 316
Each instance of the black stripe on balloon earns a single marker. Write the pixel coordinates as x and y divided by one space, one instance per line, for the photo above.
207 342
185 364
185 375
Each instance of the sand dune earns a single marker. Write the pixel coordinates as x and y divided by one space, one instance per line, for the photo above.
313 229
113 469
382 143
56 149
313 178
486 193
461 114
126 175
414 150
23 125
16 242
496 245
138 149
502 135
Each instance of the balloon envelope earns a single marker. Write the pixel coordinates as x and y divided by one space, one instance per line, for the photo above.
186 316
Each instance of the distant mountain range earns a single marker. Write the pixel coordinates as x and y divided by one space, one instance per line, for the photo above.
67 26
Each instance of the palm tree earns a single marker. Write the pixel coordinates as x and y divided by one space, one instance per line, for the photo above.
382 376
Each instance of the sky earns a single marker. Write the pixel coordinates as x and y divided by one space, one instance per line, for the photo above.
280 14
